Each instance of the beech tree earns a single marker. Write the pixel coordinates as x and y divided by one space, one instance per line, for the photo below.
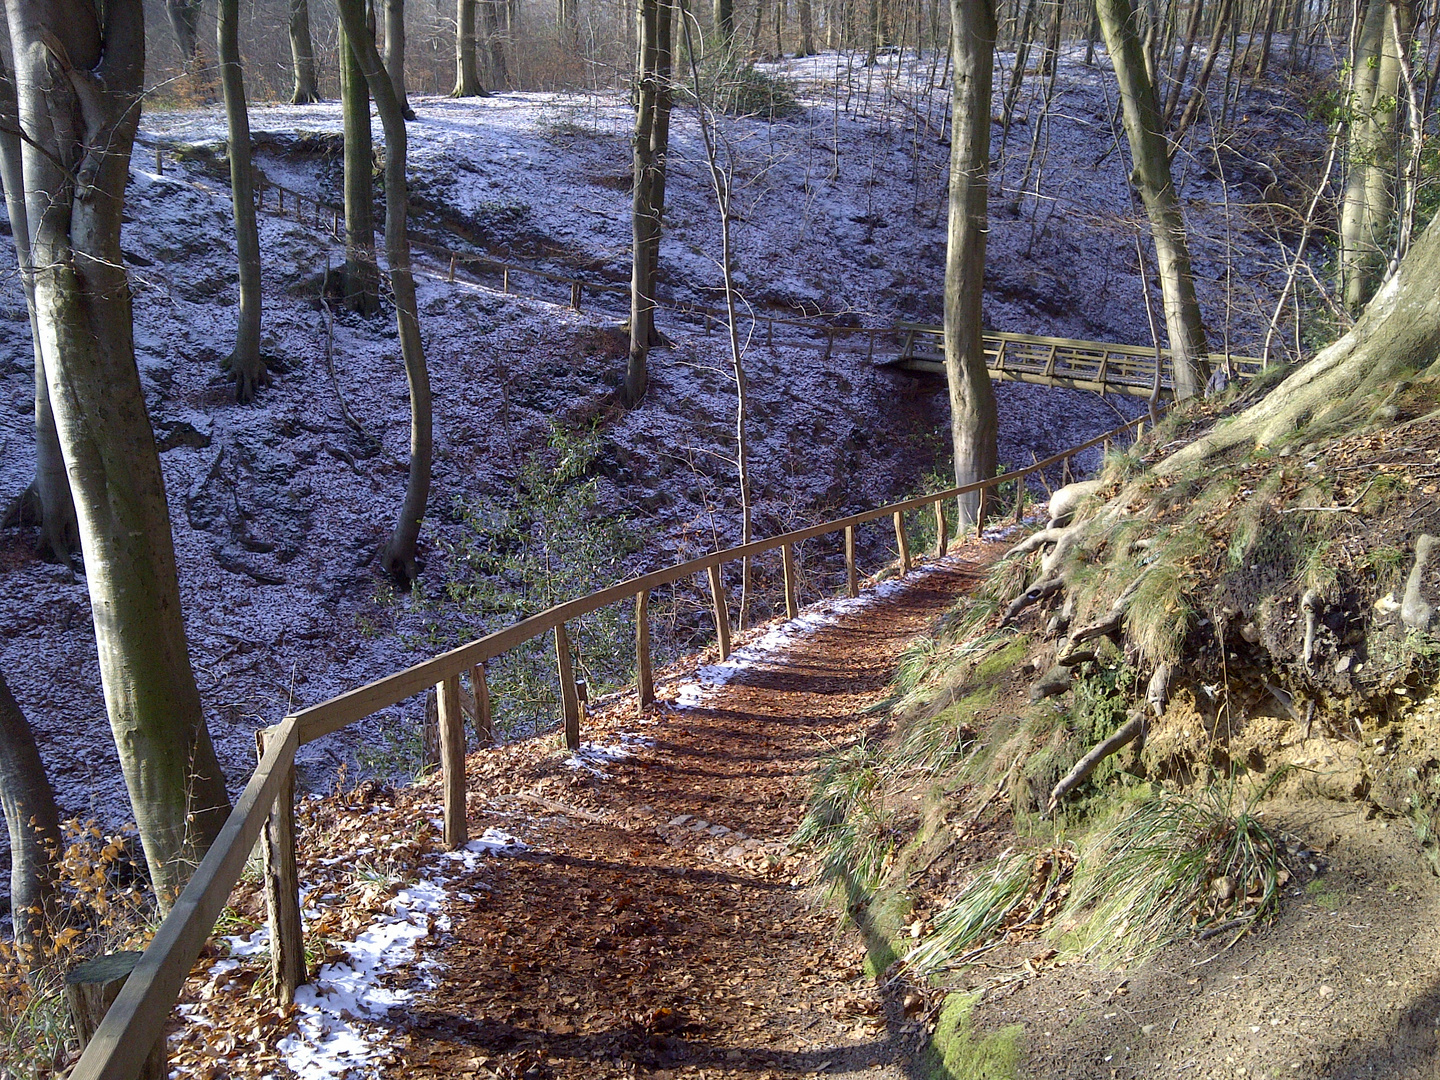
245 365
398 557
79 73
32 821
302 55
652 130
467 71
395 52
1150 155
362 274
973 421
46 502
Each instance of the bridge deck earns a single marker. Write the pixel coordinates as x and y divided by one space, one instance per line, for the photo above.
1047 361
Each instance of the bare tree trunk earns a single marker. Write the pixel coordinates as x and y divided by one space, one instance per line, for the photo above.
1151 176
1017 75
644 223
79 82
398 558
362 274
46 503
244 364
1396 337
1197 93
467 74
184 18
973 421
395 53
1177 81
495 43
34 826
302 55
724 16
807 29
1369 200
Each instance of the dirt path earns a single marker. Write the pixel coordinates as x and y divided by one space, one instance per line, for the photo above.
656 926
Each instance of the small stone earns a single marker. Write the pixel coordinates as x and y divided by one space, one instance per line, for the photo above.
699 825
1327 992
682 819
1343 664
717 830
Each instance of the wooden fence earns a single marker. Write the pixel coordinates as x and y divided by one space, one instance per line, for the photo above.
265 809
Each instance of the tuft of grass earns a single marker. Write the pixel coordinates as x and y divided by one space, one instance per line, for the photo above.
1173 864
849 820
1159 614
1020 889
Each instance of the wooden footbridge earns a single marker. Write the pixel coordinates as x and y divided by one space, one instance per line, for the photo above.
1047 361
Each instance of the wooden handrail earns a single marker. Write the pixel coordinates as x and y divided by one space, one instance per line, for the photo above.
123 1040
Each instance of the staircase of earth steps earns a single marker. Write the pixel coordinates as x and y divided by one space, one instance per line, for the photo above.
1099 366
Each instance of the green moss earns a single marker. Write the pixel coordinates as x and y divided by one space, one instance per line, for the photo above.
959 1052
1002 661
1322 896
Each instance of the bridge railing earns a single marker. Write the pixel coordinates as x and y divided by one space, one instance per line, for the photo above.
266 810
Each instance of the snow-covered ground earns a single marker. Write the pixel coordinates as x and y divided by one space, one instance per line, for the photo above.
280 507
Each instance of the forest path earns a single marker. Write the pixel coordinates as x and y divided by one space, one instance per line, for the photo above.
656 926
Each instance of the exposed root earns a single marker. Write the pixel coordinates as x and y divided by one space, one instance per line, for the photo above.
1310 604
1035 541
1034 594
1415 613
1127 734
1067 500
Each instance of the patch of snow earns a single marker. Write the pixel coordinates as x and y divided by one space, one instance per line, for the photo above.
772 646
333 1036
592 757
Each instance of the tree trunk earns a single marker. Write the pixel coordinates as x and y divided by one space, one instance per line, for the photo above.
807 29
724 16
1177 80
973 422
362 274
644 222
1151 176
302 55
398 558
1196 100
660 132
245 365
184 18
395 53
467 74
495 43
34 826
1369 200
1397 336
46 503
79 85
1017 74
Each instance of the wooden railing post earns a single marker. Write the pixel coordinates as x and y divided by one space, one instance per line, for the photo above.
91 988
484 721
282 885
980 512
852 584
575 295
452 269
159 161
644 677
902 542
792 601
452 761
569 696
1019 499
721 606
942 530
505 281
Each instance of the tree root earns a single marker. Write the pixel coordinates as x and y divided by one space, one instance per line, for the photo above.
1035 593
1128 732
1415 613
1035 541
